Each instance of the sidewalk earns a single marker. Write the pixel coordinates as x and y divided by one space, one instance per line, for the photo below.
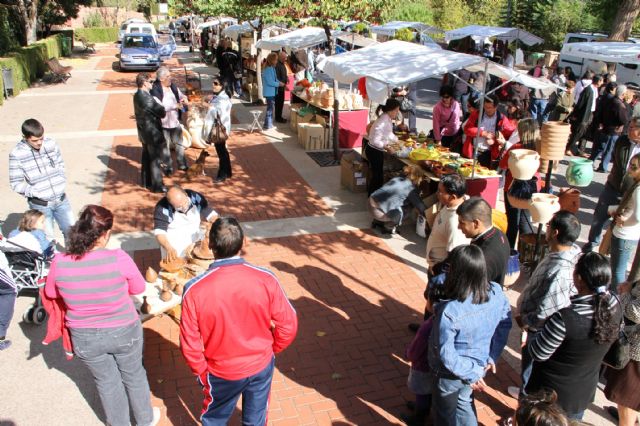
354 292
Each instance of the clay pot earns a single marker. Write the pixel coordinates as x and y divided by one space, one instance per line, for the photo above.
523 163
554 135
166 295
518 203
580 172
168 285
151 275
145 308
178 289
569 199
543 207
173 266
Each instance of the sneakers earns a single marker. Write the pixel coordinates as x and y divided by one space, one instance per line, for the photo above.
4 344
514 392
156 416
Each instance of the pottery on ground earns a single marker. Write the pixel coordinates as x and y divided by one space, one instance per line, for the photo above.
569 199
543 207
579 172
523 163
554 135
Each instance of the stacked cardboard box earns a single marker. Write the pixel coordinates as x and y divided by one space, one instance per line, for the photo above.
353 172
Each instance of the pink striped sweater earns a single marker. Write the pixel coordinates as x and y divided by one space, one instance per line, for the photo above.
96 288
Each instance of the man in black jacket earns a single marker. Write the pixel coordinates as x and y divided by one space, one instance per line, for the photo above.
281 75
613 121
617 183
148 113
580 117
474 220
230 66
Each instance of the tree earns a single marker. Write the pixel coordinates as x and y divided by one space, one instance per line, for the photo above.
450 14
58 12
414 11
26 12
624 20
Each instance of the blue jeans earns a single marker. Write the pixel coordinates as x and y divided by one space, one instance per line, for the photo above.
60 211
620 253
538 110
604 147
222 396
114 357
608 197
268 116
453 403
237 85
526 364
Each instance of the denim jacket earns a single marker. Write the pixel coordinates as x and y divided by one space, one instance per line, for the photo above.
467 337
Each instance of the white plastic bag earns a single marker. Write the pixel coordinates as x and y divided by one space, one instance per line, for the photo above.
421 224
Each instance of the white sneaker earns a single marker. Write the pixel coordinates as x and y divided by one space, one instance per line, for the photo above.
514 392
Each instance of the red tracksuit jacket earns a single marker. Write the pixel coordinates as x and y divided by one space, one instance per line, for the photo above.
227 316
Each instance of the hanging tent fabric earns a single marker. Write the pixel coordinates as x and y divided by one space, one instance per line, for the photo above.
234 31
478 32
216 22
356 39
625 53
298 39
389 29
395 63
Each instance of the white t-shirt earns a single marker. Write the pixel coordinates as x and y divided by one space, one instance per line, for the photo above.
183 231
445 236
489 125
631 228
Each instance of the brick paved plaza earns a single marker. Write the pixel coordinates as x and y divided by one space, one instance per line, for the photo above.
354 292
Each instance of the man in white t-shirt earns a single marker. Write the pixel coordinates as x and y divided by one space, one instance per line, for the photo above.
445 235
177 218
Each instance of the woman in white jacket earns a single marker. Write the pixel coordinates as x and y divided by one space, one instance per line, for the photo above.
220 108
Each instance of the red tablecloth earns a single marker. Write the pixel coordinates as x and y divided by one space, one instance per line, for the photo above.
353 124
485 188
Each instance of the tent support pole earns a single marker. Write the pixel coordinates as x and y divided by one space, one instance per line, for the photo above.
336 122
480 114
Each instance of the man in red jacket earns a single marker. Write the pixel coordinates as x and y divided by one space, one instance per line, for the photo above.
492 123
235 317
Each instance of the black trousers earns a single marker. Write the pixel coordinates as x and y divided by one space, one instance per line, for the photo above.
151 170
224 168
578 132
376 163
279 104
518 222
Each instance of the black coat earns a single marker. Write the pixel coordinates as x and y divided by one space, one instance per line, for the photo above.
496 250
148 114
582 111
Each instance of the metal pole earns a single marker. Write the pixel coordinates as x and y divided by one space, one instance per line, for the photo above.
480 113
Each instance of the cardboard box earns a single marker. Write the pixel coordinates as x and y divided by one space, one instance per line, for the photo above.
293 119
313 137
353 172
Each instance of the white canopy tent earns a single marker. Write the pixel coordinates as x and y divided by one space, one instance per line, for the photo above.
234 31
620 52
298 39
395 63
480 32
356 39
216 22
389 29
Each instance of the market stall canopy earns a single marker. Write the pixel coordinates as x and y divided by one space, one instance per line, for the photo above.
216 22
625 53
234 31
390 28
298 39
395 63
356 39
501 33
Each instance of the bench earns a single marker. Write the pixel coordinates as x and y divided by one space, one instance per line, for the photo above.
87 46
59 73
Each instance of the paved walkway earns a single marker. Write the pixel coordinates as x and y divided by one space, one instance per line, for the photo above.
354 292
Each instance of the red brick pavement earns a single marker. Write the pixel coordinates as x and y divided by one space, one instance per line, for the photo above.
118 113
106 63
354 298
264 185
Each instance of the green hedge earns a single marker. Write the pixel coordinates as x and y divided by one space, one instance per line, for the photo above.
28 63
98 35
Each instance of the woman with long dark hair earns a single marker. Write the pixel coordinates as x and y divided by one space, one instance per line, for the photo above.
219 110
567 353
470 330
95 284
380 134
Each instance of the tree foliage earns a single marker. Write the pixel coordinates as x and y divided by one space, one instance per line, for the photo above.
414 11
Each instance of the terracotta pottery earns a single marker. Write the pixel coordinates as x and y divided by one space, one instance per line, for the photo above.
173 266
554 135
166 295
569 199
168 285
151 275
580 172
523 163
179 289
543 206
145 308
518 203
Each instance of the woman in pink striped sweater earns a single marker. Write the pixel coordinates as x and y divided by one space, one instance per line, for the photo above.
95 284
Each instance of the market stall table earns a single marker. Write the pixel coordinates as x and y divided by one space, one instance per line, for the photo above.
353 122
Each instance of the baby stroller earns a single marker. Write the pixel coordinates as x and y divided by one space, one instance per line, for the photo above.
29 271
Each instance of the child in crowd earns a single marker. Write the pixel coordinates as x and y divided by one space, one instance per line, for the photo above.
420 380
31 235
539 409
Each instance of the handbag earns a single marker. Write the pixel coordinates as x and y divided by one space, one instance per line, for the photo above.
218 133
406 104
619 354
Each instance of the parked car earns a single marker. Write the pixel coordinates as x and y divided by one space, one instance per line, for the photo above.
123 26
139 51
625 72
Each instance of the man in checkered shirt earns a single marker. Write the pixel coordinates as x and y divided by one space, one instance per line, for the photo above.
551 283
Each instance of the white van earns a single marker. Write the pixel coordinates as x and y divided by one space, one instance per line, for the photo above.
625 73
137 26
